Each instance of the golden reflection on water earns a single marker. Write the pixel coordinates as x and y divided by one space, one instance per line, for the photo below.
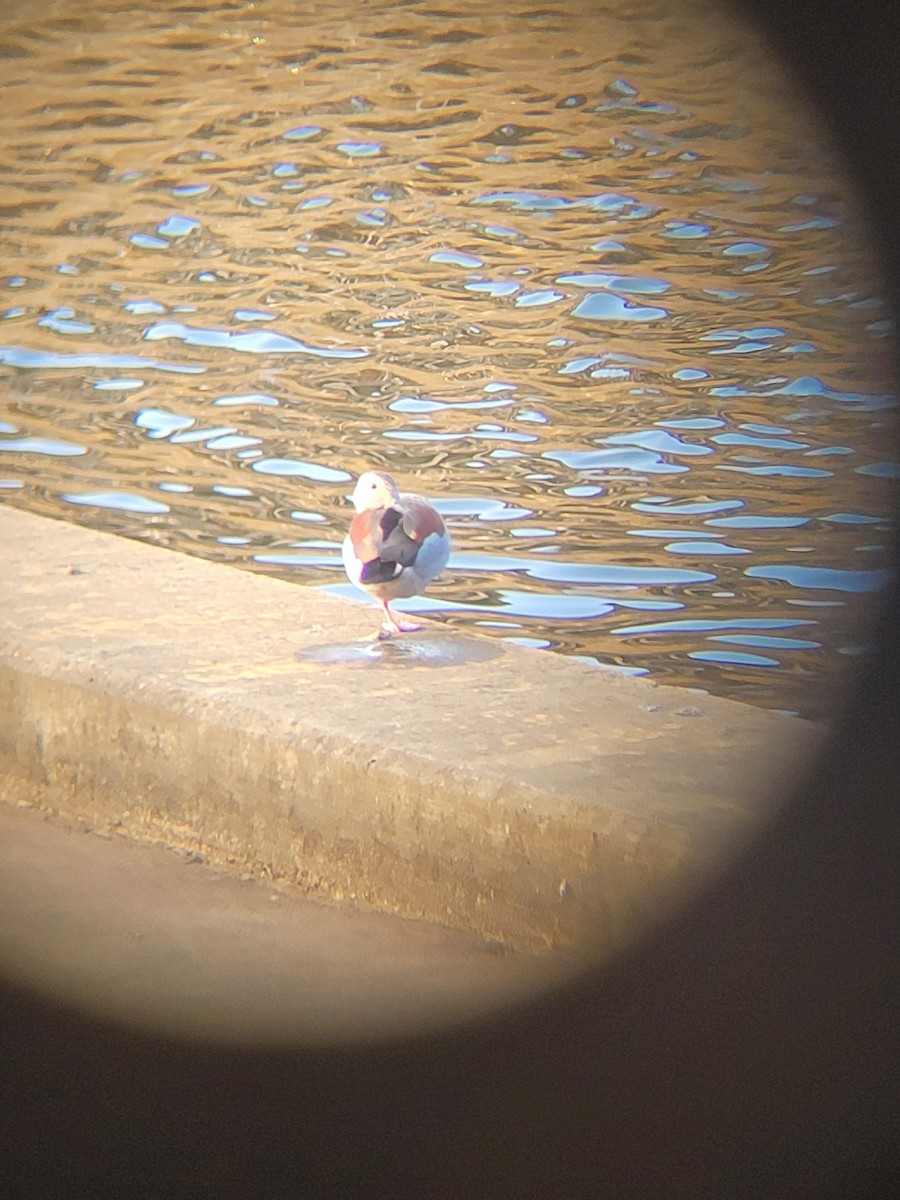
588 273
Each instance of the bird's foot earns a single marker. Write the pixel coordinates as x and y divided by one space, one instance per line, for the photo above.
389 628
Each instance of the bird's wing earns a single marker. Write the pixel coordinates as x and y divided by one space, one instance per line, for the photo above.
381 545
386 540
419 518
399 539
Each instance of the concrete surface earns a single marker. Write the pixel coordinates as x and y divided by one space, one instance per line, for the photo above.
142 935
530 799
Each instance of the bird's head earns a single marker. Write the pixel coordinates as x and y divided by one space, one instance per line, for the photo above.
374 489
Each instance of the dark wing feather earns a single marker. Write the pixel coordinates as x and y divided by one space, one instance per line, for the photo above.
398 542
380 541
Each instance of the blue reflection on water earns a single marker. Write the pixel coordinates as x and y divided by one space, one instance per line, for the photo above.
881 470
532 201
485 509
685 229
577 365
630 284
117 385
126 501
231 441
734 658
846 518
301 559
749 522
663 443
256 342
538 299
692 423
689 506
419 404
177 226
708 548
17 356
607 306
583 573
557 605
62 321
746 249
777 469
698 625
671 533
744 348
250 398
642 461
822 577
39 445
769 443
314 202
456 258
160 423
253 314
496 288
146 241
291 466
810 385
142 307
421 435
771 643
302 133
360 149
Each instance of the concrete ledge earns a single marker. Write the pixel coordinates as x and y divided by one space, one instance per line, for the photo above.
141 936
530 798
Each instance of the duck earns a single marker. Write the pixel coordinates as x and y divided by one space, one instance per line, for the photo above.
396 545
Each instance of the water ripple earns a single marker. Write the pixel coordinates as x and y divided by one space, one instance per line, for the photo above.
37 445
604 461
834 578
125 501
291 467
598 302
17 356
257 342
608 306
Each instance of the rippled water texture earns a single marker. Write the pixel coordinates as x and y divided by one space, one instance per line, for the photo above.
584 274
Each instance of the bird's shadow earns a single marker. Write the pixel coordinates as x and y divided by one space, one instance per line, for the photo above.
424 649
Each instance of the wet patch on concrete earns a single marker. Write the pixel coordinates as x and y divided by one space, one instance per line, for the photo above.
410 650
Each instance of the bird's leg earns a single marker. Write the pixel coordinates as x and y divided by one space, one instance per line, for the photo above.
392 625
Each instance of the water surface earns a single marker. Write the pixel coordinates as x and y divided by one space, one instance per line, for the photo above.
587 275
